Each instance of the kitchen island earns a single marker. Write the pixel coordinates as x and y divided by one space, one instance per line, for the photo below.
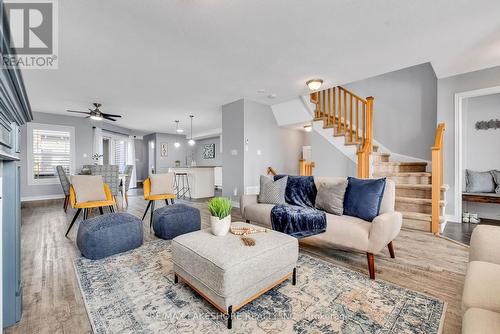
201 180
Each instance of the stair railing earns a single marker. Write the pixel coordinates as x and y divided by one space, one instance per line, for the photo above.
351 116
306 167
437 177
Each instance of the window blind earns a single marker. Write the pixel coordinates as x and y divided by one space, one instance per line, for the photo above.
120 154
50 148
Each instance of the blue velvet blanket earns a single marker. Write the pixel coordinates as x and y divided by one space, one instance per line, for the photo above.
297 221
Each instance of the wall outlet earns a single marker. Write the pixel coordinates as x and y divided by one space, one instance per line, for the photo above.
234 152
84 155
259 152
235 192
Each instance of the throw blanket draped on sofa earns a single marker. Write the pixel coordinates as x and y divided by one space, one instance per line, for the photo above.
299 222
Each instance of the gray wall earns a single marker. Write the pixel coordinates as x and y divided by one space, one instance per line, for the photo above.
83 145
328 159
447 87
174 153
232 149
404 118
252 141
198 152
269 145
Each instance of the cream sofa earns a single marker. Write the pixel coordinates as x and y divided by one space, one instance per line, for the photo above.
344 231
481 296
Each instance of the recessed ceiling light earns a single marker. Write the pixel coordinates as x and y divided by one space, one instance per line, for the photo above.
272 96
261 91
314 84
177 144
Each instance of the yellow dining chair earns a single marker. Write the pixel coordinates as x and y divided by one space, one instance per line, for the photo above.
87 206
158 187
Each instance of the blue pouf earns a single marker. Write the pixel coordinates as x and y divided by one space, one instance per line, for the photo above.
173 220
109 234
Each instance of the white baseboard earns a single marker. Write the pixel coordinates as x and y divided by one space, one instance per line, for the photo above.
41 198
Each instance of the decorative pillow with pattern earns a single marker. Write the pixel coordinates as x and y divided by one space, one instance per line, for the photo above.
272 192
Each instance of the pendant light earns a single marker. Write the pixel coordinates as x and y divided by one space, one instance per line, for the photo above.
177 144
191 142
177 129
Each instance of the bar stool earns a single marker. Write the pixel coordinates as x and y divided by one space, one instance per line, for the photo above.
185 189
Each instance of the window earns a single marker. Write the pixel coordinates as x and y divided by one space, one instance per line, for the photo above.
48 147
115 149
120 153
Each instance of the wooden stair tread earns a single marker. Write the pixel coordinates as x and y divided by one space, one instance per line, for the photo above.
419 216
399 163
382 174
415 200
444 187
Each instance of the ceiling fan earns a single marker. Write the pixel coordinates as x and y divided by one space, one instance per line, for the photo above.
96 114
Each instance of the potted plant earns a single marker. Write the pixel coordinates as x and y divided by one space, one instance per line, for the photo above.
220 221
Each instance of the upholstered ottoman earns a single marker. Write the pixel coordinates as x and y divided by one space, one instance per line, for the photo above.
173 220
229 274
109 234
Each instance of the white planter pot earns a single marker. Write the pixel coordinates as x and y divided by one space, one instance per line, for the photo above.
220 227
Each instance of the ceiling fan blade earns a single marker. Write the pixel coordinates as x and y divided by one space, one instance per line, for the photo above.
80 112
111 115
111 119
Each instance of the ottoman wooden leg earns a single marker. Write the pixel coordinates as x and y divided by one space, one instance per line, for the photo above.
294 276
230 317
176 279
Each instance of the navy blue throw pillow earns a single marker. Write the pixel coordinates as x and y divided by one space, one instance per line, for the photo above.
363 197
300 190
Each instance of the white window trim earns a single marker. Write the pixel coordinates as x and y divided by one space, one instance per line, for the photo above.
51 127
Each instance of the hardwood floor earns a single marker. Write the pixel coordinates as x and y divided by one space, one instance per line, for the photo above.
52 302
463 231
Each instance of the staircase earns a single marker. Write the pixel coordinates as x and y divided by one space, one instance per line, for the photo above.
420 194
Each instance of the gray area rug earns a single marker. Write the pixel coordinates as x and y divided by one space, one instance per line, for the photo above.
134 292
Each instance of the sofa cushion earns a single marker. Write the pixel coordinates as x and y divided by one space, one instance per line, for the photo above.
272 191
346 232
484 244
330 197
496 178
481 288
477 320
259 213
363 197
300 190
479 182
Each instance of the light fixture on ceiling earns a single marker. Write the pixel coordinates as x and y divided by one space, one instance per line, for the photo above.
177 144
272 96
177 129
97 117
308 127
191 142
314 84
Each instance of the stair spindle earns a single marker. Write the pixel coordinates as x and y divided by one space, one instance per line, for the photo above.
350 119
357 120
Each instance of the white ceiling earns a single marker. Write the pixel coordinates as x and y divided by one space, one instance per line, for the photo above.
156 61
